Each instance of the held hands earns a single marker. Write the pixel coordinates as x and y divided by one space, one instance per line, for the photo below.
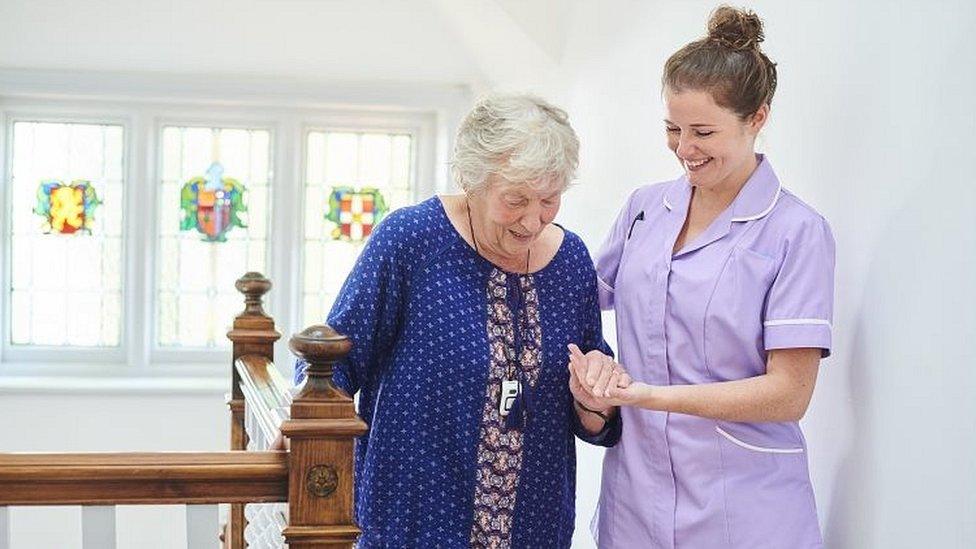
599 383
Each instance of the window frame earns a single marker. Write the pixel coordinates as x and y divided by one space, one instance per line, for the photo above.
159 354
55 353
143 119
423 183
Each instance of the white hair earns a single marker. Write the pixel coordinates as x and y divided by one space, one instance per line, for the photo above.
520 137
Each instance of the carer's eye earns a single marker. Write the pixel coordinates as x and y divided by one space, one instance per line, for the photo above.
703 133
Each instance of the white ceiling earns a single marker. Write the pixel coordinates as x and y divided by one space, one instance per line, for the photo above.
402 40
474 42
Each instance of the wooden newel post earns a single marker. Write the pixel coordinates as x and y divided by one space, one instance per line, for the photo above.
321 431
253 334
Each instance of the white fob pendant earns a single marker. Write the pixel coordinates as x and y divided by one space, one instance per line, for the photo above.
510 391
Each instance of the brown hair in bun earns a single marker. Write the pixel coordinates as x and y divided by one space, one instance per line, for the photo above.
728 63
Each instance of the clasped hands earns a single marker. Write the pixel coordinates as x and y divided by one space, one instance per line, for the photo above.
599 383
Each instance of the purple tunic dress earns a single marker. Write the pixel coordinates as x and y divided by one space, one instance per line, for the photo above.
760 277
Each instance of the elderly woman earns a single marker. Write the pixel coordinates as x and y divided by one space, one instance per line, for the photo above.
460 310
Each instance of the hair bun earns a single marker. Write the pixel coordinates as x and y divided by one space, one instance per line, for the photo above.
735 28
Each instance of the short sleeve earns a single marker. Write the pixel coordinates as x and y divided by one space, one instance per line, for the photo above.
608 258
799 305
368 310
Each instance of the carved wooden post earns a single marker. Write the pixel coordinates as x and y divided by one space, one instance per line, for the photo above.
321 430
253 334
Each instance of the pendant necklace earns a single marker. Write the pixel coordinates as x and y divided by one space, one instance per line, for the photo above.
510 402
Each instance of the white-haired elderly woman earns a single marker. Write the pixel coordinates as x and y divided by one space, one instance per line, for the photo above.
460 310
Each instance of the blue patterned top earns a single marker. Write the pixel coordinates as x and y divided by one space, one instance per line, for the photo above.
416 307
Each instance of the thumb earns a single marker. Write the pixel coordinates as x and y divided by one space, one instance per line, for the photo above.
575 351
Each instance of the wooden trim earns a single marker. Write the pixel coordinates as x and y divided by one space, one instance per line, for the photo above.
138 478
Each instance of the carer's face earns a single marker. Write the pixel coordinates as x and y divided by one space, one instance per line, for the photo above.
517 212
712 143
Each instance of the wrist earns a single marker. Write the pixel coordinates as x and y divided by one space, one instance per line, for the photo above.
605 413
648 397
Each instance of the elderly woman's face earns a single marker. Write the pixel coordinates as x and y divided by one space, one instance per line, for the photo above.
516 213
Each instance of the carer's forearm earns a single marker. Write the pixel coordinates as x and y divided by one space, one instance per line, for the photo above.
756 399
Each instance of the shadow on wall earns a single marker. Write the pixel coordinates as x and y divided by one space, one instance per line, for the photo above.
908 478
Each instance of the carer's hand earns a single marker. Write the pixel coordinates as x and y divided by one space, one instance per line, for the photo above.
604 380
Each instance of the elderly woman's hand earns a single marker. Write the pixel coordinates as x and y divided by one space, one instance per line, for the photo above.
590 377
602 381
597 372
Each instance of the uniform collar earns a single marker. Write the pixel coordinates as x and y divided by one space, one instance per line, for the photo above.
756 199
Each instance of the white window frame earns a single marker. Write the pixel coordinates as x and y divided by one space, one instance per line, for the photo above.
428 114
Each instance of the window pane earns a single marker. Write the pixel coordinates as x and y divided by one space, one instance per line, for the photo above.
214 215
351 180
66 241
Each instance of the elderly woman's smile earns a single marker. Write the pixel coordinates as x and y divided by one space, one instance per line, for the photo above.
509 218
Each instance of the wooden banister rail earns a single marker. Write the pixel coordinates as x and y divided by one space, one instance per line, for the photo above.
267 394
314 476
320 423
253 334
143 478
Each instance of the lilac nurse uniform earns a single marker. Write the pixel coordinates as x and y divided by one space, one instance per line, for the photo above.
759 278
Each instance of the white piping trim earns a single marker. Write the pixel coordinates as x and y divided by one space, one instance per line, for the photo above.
606 286
747 446
801 321
763 213
664 198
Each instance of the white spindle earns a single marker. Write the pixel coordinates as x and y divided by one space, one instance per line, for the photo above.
98 527
202 527
4 529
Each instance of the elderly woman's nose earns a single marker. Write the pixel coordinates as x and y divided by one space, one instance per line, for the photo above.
532 222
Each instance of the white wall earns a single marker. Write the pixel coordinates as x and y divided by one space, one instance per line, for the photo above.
873 125
134 418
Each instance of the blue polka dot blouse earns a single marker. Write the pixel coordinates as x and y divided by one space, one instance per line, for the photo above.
430 326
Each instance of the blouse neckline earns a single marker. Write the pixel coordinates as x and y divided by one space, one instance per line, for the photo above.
464 244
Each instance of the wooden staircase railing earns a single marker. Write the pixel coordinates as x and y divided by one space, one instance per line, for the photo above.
314 477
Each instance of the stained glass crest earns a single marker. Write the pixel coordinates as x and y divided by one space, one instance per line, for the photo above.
67 209
355 213
212 204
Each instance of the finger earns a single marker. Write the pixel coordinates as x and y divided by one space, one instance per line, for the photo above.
594 367
616 394
574 385
597 363
574 350
600 387
625 380
613 383
577 365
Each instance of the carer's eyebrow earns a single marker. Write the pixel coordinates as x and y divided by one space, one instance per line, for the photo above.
699 125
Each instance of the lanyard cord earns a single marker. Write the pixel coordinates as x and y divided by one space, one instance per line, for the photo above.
514 363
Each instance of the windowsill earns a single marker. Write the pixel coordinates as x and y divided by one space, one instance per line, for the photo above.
36 378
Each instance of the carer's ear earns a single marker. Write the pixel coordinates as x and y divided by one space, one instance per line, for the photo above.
759 118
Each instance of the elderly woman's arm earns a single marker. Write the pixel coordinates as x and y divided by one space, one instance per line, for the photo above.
368 309
594 420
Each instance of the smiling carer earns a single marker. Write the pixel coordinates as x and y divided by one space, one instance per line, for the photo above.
722 284
453 302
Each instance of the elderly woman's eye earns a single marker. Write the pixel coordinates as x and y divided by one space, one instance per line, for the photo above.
672 129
